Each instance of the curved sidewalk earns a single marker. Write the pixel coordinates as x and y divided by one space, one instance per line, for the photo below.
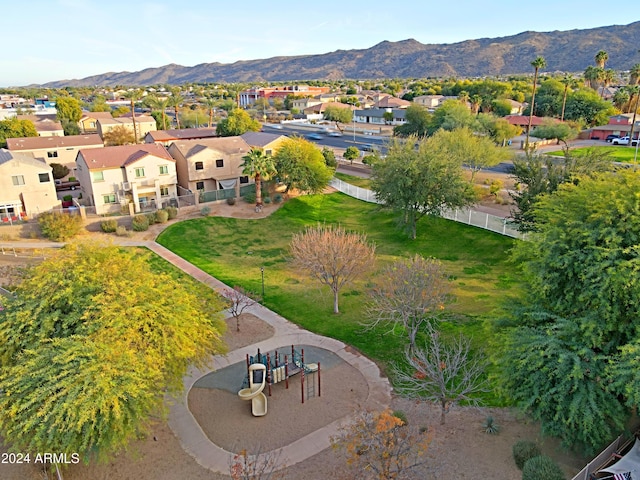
188 431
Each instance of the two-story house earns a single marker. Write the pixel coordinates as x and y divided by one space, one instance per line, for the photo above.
111 178
62 150
267 142
144 124
210 164
89 121
46 125
167 137
26 186
618 125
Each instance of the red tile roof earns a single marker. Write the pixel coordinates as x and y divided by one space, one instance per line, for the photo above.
35 143
122 156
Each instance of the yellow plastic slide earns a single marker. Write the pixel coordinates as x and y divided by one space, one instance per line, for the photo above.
257 382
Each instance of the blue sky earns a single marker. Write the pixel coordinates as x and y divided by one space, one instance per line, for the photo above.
47 40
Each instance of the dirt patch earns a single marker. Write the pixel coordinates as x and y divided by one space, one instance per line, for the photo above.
252 330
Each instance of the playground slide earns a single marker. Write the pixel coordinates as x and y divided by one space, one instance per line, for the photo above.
257 382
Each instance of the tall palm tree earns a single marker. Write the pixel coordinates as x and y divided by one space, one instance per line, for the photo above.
161 104
607 78
211 104
635 80
463 96
476 101
261 167
133 96
601 58
537 64
567 80
592 76
621 99
175 100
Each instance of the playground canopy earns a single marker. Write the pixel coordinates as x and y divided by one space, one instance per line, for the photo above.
629 463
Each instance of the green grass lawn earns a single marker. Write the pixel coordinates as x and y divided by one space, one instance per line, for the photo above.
353 180
617 153
234 250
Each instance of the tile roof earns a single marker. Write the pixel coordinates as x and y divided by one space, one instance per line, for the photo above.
7 156
260 139
182 134
96 115
122 155
35 143
125 120
226 145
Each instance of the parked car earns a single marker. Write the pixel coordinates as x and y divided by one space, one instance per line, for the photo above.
610 138
624 141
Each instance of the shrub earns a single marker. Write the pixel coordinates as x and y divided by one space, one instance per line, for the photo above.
490 426
401 415
109 226
162 216
266 200
151 216
73 179
541 468
140 223
250 197
523 450
231 201
277 198
122 231
67 198
368 159
495 186
59 170
172 211
205 211
59 227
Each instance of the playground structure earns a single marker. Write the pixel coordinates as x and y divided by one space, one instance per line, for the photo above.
266 370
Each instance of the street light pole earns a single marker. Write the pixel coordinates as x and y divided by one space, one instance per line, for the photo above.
262 275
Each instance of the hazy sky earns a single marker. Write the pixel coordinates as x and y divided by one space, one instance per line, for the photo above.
47 40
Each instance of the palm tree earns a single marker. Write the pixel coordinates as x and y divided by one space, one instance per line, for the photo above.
463 96
175 100
601 58
133 96
567 80
211 104
261 167
592 75
537 64
476 101
621 99
607 78
635 79
156 103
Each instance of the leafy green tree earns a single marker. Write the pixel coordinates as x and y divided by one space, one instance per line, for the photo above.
537 64
237 122
567 355
260 167
14 128
300 165
68 108
548 98
451 115
560 131
338 115
351 153
59 170
501 107
587 106
419 181
499 129
417 122
105 341
329 157
473 151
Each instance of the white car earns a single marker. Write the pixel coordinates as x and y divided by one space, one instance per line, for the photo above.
624 141
335 134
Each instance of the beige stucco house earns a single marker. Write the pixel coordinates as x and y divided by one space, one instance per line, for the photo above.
89 121
267 142
167 137
111 178
210 164
62 150
26 186
144 124
46 125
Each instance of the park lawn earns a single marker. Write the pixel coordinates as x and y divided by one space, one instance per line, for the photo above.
234 250
353 180
617 153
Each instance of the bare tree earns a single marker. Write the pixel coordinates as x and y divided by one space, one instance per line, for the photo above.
258 466
240 300
332 255
409 293
443 373
379 445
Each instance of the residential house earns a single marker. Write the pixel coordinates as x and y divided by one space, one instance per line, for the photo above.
210 163
26 186
301 103
618 125
62 150
112 178
516 107
251 95
89 121
46 125
166 137
267 142
431 102
376 116
391 102
523 121
315 112
144 125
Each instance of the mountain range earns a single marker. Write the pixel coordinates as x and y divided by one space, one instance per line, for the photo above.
568 51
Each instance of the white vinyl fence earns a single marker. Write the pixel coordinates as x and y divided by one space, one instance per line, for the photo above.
470 217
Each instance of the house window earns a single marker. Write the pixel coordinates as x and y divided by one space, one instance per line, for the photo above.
109 198
164 169
52 154
220 163
199 165
200 186
44 177
164 191
17 180
244 179
98 176
268 152
139 172
92 124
